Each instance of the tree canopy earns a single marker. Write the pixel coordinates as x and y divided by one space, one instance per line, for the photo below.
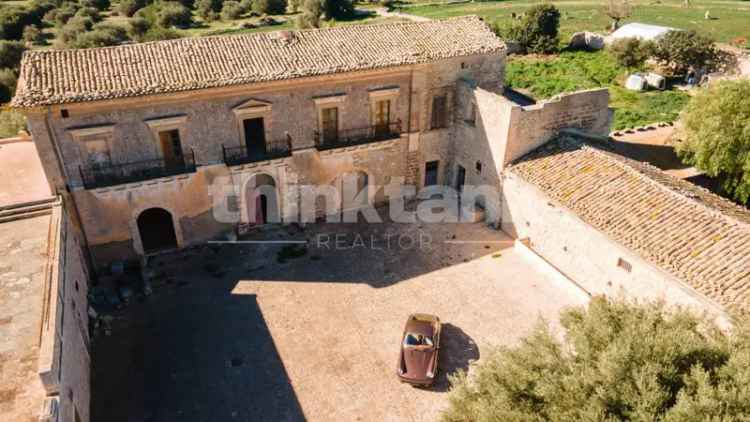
537 32
618 361
716 135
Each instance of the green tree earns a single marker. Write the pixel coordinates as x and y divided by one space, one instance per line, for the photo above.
311 16
618 362
138 28
101 35
32 35
10 53
682 50
631 52
269 7
338 9
231 10
173 13
129 7
715 135
537 32
8 80
208 10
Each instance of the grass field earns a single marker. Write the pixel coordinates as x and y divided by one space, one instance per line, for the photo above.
731 18
545 77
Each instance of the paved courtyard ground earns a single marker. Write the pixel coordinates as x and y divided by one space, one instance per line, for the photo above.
232 334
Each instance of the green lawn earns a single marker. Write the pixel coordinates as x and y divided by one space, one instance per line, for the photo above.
545 77
732 17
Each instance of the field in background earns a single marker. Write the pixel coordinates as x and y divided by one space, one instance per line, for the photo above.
543 77
730 19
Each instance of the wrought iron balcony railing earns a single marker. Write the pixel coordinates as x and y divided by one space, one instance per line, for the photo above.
234 156
116 174
359 136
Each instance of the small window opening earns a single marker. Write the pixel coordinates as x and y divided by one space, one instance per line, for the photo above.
64 113
479 166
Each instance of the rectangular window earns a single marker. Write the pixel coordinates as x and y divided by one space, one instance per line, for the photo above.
329 118
625 265
97 151
471 119
381 116
439 112
431 173
171 148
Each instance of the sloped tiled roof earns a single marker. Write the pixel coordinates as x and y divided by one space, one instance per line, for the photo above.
66 76
698 237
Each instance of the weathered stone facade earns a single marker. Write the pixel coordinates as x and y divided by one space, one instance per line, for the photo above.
209 121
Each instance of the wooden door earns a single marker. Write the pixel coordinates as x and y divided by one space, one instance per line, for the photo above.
171 148
330 124
382 116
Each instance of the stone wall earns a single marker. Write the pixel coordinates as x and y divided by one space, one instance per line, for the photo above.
594 261
532 126
64 357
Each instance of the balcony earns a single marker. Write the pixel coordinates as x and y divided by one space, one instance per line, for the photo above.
360 136
234 156
116 174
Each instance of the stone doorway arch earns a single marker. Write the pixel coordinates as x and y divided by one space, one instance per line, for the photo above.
156 230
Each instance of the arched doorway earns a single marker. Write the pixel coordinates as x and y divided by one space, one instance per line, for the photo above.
156 227
261 200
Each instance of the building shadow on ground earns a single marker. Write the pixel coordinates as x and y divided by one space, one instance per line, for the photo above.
208 356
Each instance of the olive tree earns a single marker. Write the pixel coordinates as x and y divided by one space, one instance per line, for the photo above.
715 135
537 32
618 361
681 50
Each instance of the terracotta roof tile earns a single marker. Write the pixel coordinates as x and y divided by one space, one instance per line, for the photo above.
65 76
698 237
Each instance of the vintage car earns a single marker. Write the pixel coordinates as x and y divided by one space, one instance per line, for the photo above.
420 342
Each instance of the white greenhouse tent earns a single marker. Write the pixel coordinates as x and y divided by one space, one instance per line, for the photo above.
640 30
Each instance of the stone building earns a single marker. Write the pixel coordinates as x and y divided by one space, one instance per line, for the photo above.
621 227
44 330
140 135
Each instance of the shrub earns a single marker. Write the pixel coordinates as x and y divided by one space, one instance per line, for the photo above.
231 10
63 13
172 13
89 12
208 9
294 5
10 123
157 33
338 9
269 7
631 52
682 50
312 11
101 35
69 32
715 135
8 80
538 30
138 28
618 361
97 4
10 53
129 7
14 19
32 35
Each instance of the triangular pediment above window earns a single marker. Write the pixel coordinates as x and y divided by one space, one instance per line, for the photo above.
252 106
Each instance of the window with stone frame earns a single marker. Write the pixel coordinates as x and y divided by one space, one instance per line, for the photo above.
471 118
97 151
439 119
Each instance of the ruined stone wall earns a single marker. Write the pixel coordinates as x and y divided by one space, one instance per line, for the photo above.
532 126
591 259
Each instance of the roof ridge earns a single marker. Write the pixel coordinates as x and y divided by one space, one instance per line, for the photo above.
631 165
251 35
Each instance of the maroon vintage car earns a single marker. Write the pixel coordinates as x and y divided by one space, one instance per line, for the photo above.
420 342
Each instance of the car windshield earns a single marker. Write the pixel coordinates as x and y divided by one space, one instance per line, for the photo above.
414 340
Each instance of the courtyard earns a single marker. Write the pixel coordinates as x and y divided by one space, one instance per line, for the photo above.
306 323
